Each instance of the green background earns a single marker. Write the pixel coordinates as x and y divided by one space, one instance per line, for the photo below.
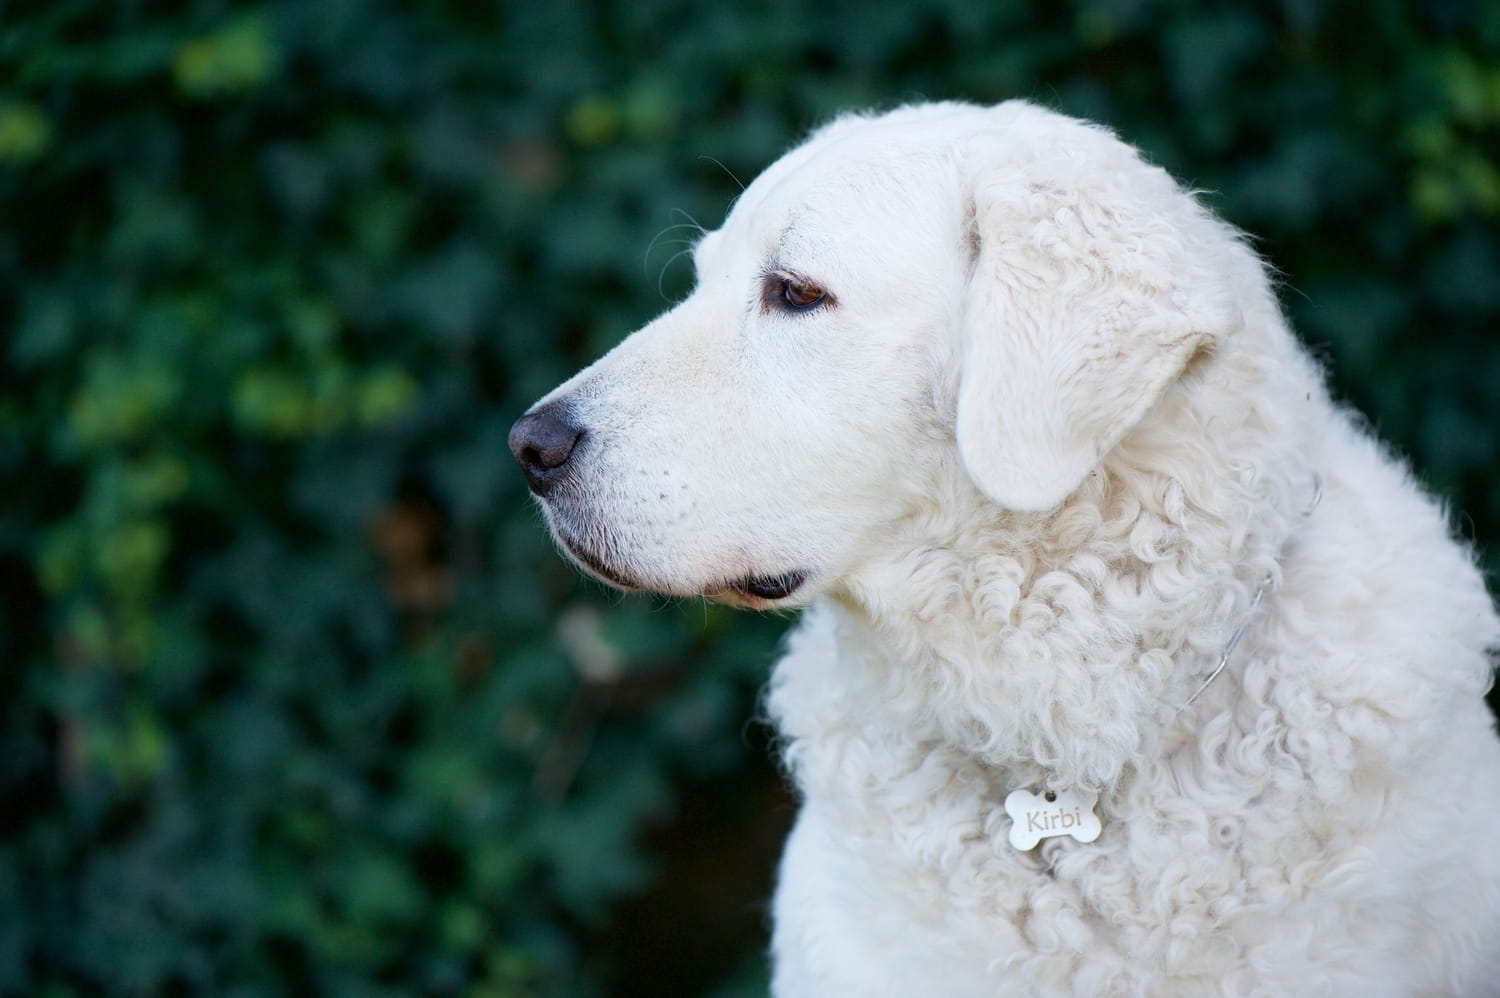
296 696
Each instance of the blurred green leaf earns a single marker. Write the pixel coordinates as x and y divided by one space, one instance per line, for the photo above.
25 133
229 60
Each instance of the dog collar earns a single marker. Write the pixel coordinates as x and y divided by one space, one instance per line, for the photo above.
1260 591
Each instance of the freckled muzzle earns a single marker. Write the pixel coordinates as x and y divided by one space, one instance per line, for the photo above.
593 527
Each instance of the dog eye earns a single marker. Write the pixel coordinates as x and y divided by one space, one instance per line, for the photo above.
790 292
800 295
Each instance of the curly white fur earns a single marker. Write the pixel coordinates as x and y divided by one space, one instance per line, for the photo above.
1035 460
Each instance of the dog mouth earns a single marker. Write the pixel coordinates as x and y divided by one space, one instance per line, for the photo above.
751 590
768 588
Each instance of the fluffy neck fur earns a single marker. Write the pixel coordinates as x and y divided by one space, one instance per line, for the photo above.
993 639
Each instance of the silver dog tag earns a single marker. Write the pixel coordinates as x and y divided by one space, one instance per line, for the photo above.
1035 817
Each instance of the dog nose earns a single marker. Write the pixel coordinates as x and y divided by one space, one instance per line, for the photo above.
543 441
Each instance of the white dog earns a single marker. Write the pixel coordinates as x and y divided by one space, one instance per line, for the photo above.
1021 424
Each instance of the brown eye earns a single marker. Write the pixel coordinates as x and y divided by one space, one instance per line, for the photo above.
799 294
789 292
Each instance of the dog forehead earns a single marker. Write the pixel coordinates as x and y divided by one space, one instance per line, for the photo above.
900 165
840 173
840 191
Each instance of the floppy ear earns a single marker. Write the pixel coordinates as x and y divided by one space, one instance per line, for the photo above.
1089 296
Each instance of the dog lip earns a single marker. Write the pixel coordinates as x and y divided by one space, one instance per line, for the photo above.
753 588
770 587
595 564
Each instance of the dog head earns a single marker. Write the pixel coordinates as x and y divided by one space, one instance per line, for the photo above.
999 293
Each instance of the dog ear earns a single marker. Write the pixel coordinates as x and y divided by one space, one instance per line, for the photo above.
1089 296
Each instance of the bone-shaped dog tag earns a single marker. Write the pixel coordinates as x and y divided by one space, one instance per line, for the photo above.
1034 817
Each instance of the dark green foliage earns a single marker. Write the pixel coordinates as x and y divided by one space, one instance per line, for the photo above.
296 696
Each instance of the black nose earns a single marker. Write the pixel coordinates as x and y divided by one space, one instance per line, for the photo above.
542 441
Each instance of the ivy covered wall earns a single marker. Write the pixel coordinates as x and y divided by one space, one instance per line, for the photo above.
295 696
